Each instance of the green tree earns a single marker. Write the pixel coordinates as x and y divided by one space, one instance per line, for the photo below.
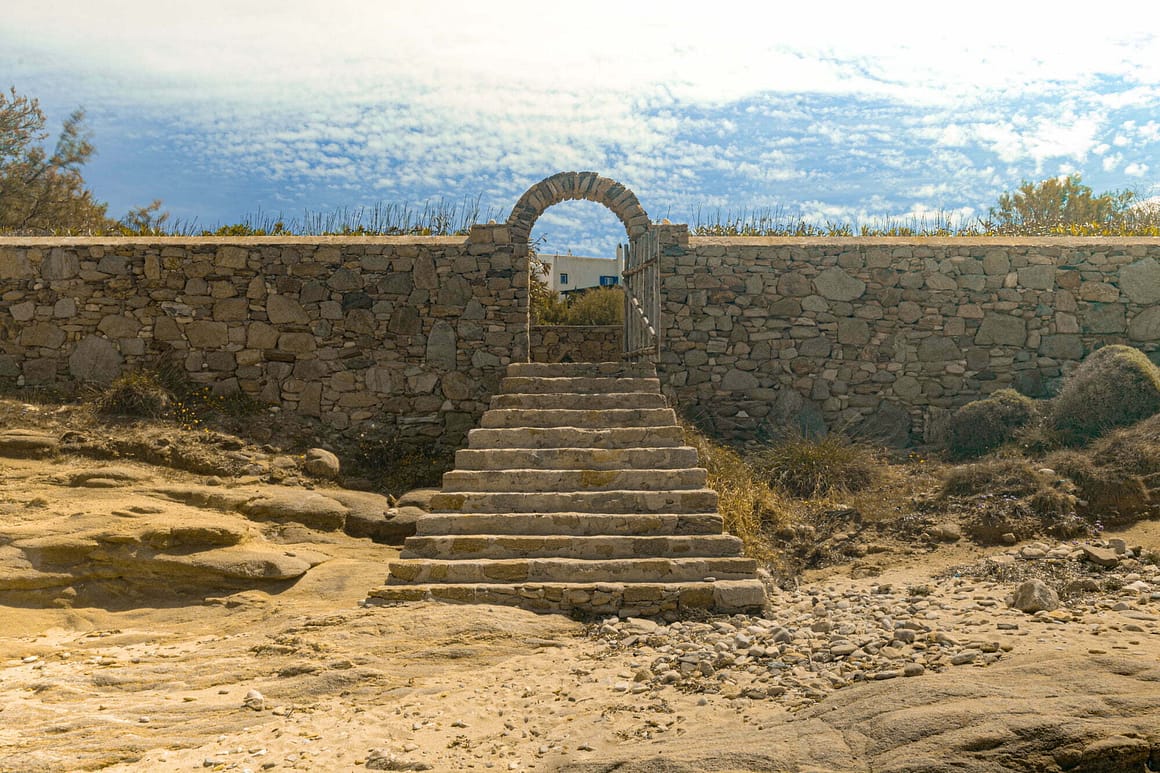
42 192
1059 201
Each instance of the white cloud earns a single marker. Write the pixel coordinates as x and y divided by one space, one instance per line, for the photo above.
1135 169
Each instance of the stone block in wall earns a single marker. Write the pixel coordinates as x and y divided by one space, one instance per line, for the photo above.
836 285
405 321
1101 292
40 371
282 310
1140 281
42 334
1039 277
1145 326
204 334
22 312
441 346
1001 330
296 343
95 359
60 265
938 349
1061 347
1104 318
14 264
996 263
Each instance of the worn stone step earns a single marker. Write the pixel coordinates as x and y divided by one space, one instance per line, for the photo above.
552 481
465 546
688 501
582 369
641 599
576 437
576 458
565 417
517 570
574 524
588 385
600 402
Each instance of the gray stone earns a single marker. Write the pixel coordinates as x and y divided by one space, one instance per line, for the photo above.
996 263
853 331
60 265
22 312
938 348
424 275
941 282
343 279
794 284
42 334
457 386
204 334
1145 326
442 346
1101 292
907 387
836 285
231 310
308 508
14 264
321 463
1104 318
1034 596
118 326
888 426
281 310
738 381
1037 277
405 321
1062 347
1001 330
297 343
259 335
455 291
95 359
1104 557
1140 281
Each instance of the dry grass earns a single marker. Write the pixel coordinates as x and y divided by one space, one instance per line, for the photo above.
984 425
810 468
751 509
1116 386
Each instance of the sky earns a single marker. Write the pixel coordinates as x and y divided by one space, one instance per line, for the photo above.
829 111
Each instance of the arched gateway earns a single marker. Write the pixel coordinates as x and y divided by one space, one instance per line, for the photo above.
642 259
576 186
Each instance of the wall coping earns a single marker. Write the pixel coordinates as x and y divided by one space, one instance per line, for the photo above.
926 241
248 241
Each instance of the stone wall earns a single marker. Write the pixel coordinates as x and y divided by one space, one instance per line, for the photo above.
410 333
574 343
878 334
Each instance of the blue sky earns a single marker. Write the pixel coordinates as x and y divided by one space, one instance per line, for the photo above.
829 110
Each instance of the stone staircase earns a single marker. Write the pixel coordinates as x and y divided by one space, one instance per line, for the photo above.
577 494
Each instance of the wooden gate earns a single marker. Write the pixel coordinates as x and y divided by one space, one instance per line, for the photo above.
642 297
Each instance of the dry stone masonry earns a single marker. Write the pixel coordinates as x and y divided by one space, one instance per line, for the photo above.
412 334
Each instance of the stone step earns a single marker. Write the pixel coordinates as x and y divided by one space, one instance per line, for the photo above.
577 385
582 369
470 546
564 417
570 524
601 402
575 437
576 458
688 501
518 570
530 481
633 599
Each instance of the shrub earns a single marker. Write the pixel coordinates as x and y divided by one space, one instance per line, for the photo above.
136 393
748 506
1114 387
983 425
1010 477
809 468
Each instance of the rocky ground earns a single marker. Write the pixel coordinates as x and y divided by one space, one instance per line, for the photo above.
156 618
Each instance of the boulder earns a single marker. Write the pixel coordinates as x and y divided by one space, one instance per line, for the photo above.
1034 596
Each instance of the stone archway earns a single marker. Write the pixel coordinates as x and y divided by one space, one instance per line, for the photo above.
575 186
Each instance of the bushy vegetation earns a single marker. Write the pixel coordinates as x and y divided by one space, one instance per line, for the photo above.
135 394
750 509
1114 387
814 467
984 425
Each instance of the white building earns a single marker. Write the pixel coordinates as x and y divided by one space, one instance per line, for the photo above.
568 273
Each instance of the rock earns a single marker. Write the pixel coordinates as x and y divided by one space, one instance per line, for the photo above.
1145 326
254 700
381 759
243 564
308 508
945 532
1100 556
442 346
1034 596
420 498
836 285
390 526
321 464
1001 330
1140 281
95 359
27 444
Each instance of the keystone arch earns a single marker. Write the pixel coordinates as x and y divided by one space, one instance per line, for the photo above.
576 186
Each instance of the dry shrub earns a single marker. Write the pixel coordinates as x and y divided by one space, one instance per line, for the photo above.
1115 477
139 394
748 506
984 425
1010 477
808 468
1114 387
